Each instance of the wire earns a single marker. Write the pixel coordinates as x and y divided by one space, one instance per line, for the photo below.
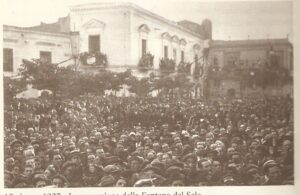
64 61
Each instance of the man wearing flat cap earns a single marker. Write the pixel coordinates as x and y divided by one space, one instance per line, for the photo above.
272 172
72 174
190 161
230 180
59 181
252 177
16 145
75 156
73 169
135 163
107 181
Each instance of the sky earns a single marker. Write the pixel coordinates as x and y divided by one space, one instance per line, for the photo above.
231 20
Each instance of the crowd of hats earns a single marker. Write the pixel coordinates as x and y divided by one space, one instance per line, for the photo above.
92 141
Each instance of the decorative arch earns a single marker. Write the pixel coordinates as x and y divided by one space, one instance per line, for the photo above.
144 28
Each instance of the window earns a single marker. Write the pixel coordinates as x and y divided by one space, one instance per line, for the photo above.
175 55
182 56
275 60
144 46
94 43
166 52
7 60
216 62
45 57
232 58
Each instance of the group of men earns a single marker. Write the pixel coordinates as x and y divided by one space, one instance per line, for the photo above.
92 141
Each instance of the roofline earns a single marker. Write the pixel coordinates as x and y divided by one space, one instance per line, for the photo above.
93 6
44 23
237 43
22 29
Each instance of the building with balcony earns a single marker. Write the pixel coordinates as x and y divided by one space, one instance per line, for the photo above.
251 53
249 65
124 32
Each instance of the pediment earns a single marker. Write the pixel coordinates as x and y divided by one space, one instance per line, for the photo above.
196 47
144 28
166 35
94 23
183 42
175 39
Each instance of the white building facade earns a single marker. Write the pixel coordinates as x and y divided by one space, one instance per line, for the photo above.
122 31
125 31
20 43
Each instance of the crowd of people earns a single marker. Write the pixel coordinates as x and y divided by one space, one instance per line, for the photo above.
91 141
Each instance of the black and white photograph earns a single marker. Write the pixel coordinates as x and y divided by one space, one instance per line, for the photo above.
147 94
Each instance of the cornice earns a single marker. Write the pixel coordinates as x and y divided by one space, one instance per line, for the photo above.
134 7
21 30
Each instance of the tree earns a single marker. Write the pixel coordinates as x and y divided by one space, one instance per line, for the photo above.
62 81
183 83
140 87
146 61
11 87
167 65
114 82
74 84
111 81
165 84
41 75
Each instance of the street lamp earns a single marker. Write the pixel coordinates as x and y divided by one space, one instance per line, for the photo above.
205 51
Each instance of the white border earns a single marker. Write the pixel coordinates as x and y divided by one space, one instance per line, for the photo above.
244 190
